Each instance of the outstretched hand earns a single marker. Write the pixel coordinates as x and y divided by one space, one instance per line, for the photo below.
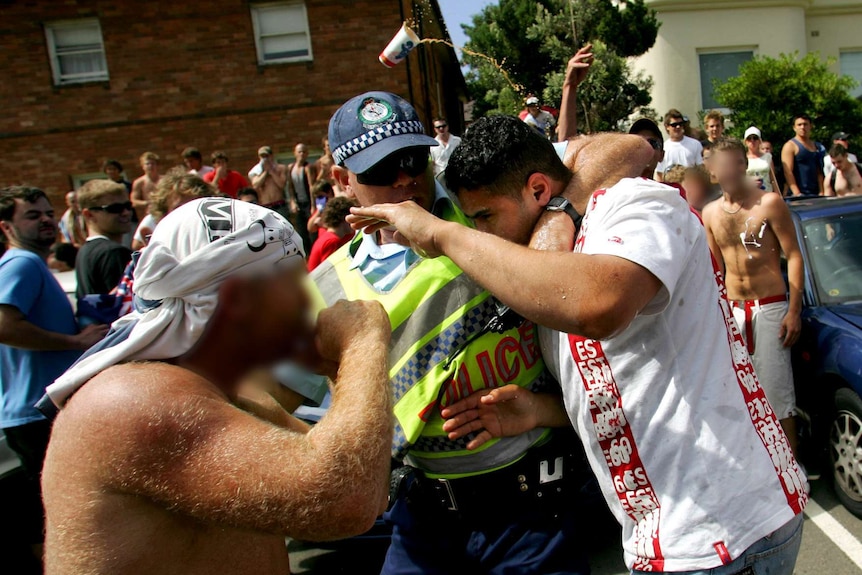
502 412
579 66
415 226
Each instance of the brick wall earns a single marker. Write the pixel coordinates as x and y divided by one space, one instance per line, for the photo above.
180 74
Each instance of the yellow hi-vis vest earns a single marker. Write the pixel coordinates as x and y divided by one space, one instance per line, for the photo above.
440 353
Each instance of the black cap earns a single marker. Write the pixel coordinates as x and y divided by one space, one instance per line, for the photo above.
840 136
645 124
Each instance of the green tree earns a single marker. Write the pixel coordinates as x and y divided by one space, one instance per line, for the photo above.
533 40
769 91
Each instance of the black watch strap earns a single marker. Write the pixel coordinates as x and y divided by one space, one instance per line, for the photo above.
561 204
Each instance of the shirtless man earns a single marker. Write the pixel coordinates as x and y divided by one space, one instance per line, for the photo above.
845 179
269 183
143 186
167 466
747 230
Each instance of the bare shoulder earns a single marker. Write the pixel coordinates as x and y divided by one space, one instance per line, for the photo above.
773 204
789 146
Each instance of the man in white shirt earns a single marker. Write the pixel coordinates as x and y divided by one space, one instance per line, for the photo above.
447 144
842 138
689 455
540 120
679 149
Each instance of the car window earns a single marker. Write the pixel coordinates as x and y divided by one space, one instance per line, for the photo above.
834 246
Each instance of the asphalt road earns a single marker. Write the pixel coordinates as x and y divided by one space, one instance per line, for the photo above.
831 545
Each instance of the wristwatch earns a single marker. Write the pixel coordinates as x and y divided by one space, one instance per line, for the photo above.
561 204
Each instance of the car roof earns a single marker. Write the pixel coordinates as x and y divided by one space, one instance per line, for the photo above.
817 207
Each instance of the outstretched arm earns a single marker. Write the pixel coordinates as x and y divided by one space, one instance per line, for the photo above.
576 72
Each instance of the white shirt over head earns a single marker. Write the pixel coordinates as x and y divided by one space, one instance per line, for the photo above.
689 455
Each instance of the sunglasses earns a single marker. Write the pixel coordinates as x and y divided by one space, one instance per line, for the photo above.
656 145
441 126
117 208
676 124
413 162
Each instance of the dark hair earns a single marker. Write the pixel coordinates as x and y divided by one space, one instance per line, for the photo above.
707 145
673 113
803 116
730 145
499 153
219 155
336 210
837 150
439 119
247 192
114 163
321 187
192 152
12 193
65 253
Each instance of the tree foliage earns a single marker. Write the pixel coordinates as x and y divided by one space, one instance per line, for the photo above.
769 91
534 39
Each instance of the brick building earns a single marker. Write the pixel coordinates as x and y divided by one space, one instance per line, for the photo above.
89 80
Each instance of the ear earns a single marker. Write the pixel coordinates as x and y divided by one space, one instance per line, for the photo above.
539 189
6 228
342 176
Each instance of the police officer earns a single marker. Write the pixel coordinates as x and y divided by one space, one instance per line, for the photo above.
507 505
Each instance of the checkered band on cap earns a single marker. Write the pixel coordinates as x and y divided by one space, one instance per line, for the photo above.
371 137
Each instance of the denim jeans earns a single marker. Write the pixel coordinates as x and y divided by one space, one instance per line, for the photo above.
775 554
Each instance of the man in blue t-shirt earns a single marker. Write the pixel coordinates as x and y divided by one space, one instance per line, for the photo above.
39 337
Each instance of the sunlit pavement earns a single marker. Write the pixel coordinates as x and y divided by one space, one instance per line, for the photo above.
831 545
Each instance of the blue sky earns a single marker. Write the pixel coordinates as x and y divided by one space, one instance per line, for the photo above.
457 12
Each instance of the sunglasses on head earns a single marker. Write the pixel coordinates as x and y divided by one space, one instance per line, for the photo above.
676 124
117 208
413 162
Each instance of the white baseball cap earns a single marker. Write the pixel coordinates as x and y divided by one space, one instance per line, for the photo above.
752 131
532 100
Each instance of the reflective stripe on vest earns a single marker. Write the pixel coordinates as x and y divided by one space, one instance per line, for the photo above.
435 312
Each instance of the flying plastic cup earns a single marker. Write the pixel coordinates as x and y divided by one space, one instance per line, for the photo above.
398 48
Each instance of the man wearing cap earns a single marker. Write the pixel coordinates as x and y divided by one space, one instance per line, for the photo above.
842 138
498 509
540 120
648 130
160 462
269 178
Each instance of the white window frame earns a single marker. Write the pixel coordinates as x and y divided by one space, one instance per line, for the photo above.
256 11
59 78
857 91
714 51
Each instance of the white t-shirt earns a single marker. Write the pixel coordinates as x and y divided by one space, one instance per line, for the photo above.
441 153
687 152
543 123
761 168
690 457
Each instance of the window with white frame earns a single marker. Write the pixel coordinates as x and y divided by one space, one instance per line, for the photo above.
281 32
718 67
851 65
76 50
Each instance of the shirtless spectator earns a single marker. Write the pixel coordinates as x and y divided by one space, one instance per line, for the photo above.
713 125
194 162
802 159
323 170
748 229
114 170
300 177
228 181
845 179
142 187
199 475
269 179
73 229
842 138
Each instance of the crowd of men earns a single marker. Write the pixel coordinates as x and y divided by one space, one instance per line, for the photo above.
513 317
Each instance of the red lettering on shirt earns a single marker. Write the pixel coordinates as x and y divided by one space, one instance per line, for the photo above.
616 440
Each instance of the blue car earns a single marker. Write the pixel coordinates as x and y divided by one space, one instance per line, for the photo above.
827 360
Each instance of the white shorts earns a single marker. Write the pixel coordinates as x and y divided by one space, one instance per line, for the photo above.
770 358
